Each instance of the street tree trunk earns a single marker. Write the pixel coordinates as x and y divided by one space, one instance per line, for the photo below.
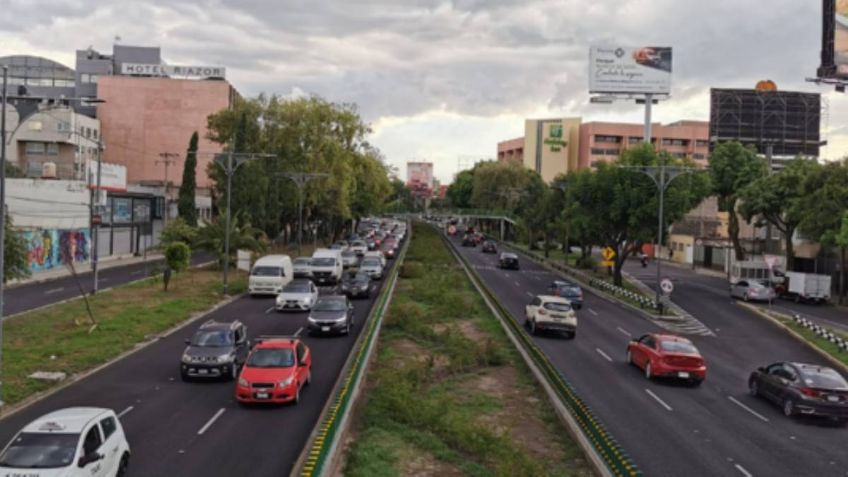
790 250
842 275
733 231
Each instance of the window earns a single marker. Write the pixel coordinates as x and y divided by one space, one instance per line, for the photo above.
648 341
92 441
702 143
92 79
87 132
108 426
35 149
239 334
699 157
301 352
675 142
94 133
680 155
612 152
62 126
635 140
597 152
52 149
607 139
85 78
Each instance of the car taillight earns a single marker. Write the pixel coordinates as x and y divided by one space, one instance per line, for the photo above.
810 392
542 312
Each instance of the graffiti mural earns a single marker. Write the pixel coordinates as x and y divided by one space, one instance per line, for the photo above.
52 248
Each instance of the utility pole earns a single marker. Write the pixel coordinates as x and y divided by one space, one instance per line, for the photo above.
230 162
563 186
95 227
2 216
301 179
167 158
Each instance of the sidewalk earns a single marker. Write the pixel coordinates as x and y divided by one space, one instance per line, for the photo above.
105 264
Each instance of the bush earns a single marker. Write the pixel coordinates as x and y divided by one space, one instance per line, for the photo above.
412 269
178 256
586 263
178 230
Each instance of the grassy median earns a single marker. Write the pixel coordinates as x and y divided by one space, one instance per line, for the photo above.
815 339
448 393
59 338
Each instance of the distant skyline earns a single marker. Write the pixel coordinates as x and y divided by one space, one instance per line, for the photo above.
445 80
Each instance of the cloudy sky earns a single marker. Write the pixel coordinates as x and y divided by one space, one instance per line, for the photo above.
446 80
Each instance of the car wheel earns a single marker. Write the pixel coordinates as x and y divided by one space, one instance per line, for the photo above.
788 408
753 388
572 335
347 328
124 465
233 371
648 374
296 395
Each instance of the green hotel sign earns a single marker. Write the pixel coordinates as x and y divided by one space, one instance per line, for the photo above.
554 138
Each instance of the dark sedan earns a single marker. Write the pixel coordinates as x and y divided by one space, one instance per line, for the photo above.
570 291
332 314
469 240
804 389
356 285
508 261
489 247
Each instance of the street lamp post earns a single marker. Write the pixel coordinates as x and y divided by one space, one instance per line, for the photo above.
301 179
2 215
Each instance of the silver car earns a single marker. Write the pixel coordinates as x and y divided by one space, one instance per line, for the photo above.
298 295
752 290
302 267
349 259
372 266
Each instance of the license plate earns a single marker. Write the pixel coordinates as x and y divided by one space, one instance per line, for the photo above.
262 396
833 398
325 328
683 374
202 371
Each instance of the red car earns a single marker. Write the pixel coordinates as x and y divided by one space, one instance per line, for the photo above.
667 356
276 370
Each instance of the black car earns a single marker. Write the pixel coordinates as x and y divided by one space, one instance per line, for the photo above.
568 290
489 247
356 284
332 314
805 389
216 350
509 261
468 240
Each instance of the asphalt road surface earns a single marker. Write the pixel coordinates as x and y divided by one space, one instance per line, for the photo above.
171 425
27 297
669 428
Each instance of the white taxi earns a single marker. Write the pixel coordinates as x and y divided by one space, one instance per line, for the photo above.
551 313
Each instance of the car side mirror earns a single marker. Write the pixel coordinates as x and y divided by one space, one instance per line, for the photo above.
761 369
88 459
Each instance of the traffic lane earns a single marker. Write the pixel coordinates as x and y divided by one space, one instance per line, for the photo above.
706 435
27 297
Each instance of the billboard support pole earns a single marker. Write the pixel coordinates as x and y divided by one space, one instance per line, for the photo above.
649 100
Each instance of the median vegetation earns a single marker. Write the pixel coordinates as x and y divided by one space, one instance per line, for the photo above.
62 338
448 393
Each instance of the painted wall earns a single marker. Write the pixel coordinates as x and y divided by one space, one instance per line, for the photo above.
52 248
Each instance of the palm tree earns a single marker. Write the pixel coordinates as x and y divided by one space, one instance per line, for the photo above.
243 236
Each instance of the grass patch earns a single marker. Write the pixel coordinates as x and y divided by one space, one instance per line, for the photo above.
448 387
815 339
57 338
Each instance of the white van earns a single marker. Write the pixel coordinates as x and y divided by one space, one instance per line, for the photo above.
327 266
376 254
270 274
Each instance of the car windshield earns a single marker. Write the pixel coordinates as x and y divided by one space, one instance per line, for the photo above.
348 254
678 347
758 284
296 288
323 262
35 450
303 261
359 243
330 305
824 378
271 358
266 271
214 338
370 262
558 306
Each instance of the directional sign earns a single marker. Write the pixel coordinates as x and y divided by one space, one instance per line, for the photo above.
666 286
608 253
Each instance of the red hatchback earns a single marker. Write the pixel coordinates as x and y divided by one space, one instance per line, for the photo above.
667 356
275 371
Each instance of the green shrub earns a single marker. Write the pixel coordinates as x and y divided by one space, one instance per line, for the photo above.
178 256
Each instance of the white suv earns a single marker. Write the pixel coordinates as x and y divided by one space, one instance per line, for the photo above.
75 442
550 313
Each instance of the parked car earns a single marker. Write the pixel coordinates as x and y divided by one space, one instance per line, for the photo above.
550 313
72 442
372 266
270 274
302 267
568 290
275 372
216 350
356 284
661 355
299 295
752 290
468 240
508 261
806 389
489 247
332 314
349 259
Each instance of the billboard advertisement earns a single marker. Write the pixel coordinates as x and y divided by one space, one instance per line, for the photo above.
113 178
840 38
630 70
420 173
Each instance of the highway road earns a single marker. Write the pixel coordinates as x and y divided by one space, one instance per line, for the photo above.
33 295
197 428
668 428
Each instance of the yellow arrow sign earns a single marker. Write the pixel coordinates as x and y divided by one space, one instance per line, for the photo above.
608 253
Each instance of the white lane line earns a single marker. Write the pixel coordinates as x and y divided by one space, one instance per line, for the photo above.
211 421
55 290
269 310
517 284
297 333
530 294
137 272
592 311
125 411
743 406
103 279
506 275
623 331
744 472
601 352
657 398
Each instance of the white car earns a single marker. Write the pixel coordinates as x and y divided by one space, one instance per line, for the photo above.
550 313
376 254
359 246
71 442
299 295
373 267
302 267
349 259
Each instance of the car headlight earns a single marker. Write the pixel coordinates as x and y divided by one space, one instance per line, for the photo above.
226 358
342 319
286 382
243 382
186 358
311 320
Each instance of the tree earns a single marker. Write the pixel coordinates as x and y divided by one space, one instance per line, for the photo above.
778 199
460 191
732 168
13 171
499 185
177 257
243 236
178 230
15 264
188 187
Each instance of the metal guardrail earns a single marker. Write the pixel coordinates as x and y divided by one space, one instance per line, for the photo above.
323 445
616 459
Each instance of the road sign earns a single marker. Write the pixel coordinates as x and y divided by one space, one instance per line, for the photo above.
608 253
607 263
771 261
699 242
666 286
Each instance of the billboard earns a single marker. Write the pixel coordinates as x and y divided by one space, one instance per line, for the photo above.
840 38
629 70
420 173
113 178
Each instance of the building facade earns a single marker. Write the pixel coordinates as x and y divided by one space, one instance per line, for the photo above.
551 146
511 150
602 141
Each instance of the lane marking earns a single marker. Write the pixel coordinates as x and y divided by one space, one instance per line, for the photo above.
592 311
601 352
55 290
657 398
743 406
137 272
517 284
211 421
530 295
297 333
622 330
102 279
125 411
269 310
506 275
744 472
